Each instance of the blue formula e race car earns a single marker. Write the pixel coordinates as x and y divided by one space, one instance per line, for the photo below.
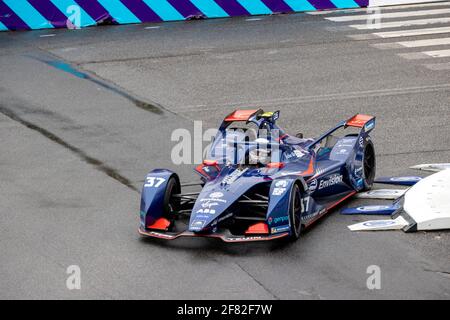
260 183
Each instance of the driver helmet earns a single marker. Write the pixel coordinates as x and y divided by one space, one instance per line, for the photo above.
261 154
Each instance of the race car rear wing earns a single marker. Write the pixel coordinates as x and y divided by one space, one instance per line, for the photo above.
252 115
359 120
241 115
365 122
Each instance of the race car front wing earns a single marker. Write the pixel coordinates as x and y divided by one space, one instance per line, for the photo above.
223 235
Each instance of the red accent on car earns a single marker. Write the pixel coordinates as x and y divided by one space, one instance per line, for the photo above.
358 120
240 115
278 165
160 224
211 163
199 169
282 137
258 228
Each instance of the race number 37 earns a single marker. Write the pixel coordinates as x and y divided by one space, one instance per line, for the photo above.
305 204
153 182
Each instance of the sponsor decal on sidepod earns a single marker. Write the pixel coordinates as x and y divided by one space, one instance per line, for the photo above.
278 191
313 185
281 183
330 181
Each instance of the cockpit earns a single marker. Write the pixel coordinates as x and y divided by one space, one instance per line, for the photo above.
256 141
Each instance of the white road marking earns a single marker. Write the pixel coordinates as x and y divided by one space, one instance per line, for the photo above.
438 66
318 98
413 44
368 36
422 5
153 27
396 24
253 19
426 54
413 55
47 35
425 43
411 33
438 53
390 15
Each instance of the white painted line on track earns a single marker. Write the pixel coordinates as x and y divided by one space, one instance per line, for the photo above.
438 66
153 27
396 24
368 36
411 33
400 33
425 43
47 35
413 55
438 53
421 5
425 54
413 44
389 15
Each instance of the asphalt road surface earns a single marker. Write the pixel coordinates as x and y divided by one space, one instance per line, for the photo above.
84 115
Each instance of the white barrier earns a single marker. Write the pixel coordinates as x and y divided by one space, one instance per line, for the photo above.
426 204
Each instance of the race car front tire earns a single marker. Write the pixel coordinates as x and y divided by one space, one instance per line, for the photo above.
368 164
171 204
295 211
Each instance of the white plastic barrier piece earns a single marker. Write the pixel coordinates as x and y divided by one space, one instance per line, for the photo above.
426 206
384 194
375 225
428 202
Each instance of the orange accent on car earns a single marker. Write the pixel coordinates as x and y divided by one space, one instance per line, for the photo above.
278 165
310 169
359 120
240 115
160 224
258 228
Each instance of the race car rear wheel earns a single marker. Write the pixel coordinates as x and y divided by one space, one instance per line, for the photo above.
369 165
295 211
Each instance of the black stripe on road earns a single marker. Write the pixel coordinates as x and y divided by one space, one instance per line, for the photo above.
99 165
